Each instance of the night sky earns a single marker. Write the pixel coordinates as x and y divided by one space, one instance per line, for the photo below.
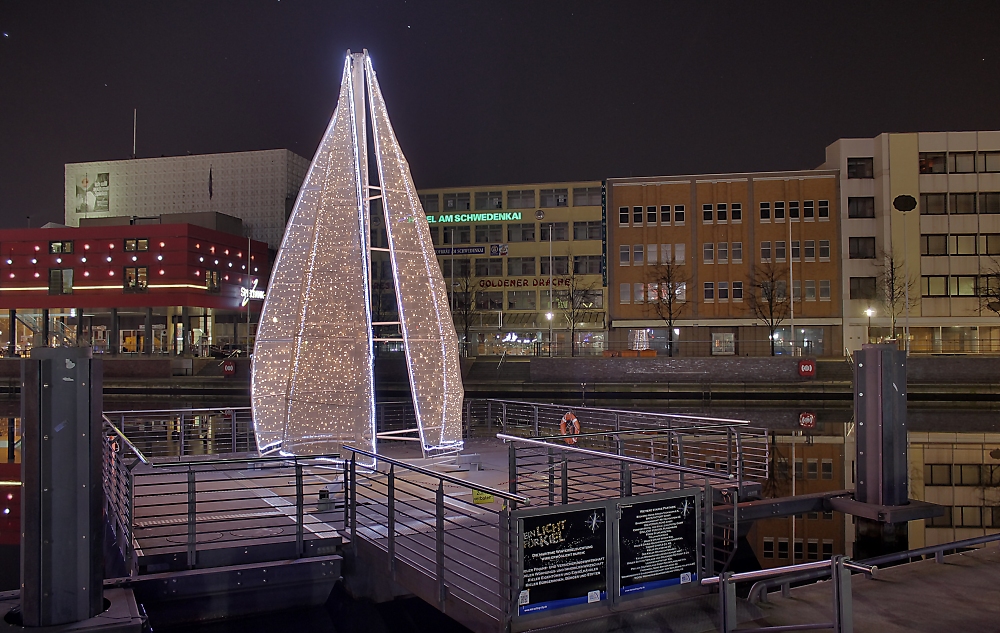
485 92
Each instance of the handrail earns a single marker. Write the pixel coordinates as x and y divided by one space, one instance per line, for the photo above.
223 408
127 441
455 480
211 460
644 413
763 585
625 458
624 432
769 573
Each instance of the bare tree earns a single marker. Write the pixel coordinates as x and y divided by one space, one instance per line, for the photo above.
894 287
989 289
669 298
767 296
580 299
464 304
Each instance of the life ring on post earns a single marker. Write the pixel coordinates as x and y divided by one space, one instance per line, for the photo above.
570 426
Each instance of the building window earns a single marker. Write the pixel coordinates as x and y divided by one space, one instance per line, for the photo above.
934 286
624 255
961 162
708 255
797 290
812 549
665 256
456 202
489 300
486 200
706 213
721 211
962 245
587 230
623 293
637 255
796 251
736 212
862 287
824 210
211 281
826 469
553 198
435 235
989 161
456 234
782 548
138 245
793 210
990 244
808 210
932 163
962 203
521 199
768 547
520 232
709 291
933 203
586 196
560 231
723 291
989 202
737 252
810 250
430 202
798 549
560 265
968 516
665 214
723 252
810 290
520 266
623 216
860 167
765 252
737 291
824 250
489 267
60 247
861 248
827 545
136 279
765 211
779 211
651 254
587 264
60 281
637 216
521 299
824 289
812 469
489 233
679 214
779 251
651 216
963 286
637 293
941 521
679 253
592 299
461 268
861 207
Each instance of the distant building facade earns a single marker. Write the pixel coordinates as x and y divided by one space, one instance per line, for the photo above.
257 187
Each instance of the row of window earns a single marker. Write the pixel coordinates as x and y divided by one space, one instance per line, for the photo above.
814 469
525 232
528 300
725 252
931 286
962 475
959 162
521 266
638 254
655 292
666 216
812 545
131 246
950 244
801 250
967 516
987 202
724 213
722 292
134 279
809 211
516 199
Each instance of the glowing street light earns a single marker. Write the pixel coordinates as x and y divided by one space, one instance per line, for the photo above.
870 312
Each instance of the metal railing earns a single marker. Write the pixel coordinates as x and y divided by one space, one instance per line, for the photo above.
188 432
452 533
838 567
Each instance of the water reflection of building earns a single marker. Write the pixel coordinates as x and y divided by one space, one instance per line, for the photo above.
495 245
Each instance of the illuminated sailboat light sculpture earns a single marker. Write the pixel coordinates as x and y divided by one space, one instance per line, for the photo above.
312 382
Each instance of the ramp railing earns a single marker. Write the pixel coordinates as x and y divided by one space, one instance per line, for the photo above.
176 433
444 538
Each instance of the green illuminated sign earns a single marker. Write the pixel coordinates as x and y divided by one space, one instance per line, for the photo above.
474 217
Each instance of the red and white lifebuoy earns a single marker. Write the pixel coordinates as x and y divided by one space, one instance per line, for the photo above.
570 426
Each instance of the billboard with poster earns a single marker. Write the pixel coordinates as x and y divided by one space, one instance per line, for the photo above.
92 195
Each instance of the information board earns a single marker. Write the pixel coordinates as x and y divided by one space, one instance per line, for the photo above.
565 560
658 544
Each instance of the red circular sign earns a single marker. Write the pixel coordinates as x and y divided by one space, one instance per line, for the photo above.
807 368
229 368
807 420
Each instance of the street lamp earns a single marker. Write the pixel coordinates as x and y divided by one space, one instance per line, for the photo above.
548 315
870 312
904 204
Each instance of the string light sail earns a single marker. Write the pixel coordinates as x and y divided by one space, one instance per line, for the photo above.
312 383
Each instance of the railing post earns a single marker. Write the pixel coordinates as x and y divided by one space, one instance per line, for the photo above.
180 438
192 519
489 417
565 479
727 603
234 430
439 532
503 419
739 461
391 511
709 525
299 512
552 476
129 554
729 450
354 499
843 608
680 456
347 493
512 468
534 410
505 566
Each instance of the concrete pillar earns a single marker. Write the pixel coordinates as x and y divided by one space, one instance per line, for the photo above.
45 327
186 330
147 342
113 343
62 524
80 341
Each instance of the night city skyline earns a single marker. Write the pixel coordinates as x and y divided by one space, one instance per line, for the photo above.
499 93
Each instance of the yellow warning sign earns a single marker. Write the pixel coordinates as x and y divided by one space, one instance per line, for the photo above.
478 496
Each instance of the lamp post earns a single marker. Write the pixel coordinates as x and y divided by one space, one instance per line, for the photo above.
904 204
548 315
869 312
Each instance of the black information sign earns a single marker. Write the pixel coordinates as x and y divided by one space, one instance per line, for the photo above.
565 560
658 543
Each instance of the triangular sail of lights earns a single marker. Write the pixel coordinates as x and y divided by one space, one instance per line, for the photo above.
312 381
